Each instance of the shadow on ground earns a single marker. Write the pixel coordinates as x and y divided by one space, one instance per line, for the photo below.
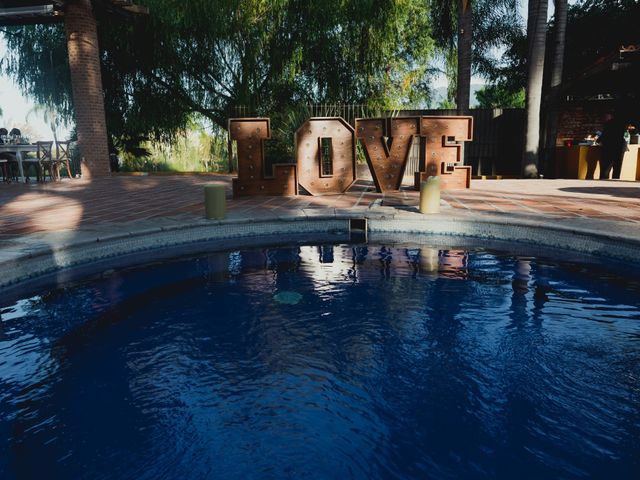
622 192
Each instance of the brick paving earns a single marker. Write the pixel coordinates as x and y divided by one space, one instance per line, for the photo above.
46 228
78 205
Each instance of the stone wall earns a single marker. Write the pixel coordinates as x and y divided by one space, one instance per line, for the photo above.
581 118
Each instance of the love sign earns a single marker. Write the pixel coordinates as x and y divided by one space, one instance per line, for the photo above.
326 154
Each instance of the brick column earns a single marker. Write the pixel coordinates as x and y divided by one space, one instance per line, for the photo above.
86 81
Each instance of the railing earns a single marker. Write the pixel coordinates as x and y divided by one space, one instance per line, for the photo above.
349 111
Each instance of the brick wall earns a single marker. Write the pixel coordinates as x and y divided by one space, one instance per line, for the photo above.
84 63
581 118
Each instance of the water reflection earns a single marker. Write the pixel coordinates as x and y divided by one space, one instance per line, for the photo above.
429 262
406 361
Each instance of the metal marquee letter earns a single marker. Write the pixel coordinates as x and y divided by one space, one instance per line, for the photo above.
443 150
326 155
250 134
387 160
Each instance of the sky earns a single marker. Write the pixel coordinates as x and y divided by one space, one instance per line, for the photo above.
441 80
17 110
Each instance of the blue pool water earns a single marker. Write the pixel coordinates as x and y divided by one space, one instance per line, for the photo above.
326 362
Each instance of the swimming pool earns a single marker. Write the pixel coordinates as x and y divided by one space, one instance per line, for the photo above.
329 361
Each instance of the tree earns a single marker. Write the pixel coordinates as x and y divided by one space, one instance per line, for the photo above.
499 96
509 74
536 35
555 82
198 58
467 34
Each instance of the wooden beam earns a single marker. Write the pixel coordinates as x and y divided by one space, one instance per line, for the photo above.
27 15
48 11
26 11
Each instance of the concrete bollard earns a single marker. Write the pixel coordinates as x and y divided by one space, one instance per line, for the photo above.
430 195
214 201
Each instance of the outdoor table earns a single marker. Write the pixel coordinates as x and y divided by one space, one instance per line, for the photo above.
18 149
583 162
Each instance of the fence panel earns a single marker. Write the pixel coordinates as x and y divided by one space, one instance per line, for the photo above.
498 136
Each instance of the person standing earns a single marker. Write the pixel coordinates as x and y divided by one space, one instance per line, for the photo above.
613 147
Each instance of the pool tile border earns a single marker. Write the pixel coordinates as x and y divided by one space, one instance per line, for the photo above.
54 255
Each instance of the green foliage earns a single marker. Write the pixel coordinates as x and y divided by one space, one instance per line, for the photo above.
451 72
447 104
499 96
596 28
511 70
201 57
496 26
36 58
192 150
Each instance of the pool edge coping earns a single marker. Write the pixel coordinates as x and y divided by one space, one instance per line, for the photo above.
596 238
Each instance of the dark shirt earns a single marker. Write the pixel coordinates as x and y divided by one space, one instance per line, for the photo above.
613 135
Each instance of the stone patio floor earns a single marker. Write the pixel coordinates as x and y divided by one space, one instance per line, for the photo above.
74 204
33 212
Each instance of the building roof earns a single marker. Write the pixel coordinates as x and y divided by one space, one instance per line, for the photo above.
615 74
22 12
